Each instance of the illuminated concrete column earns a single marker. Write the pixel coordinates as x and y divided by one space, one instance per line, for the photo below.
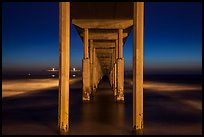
97 72
86 43
120 43
100 72
113 69
94 70
120 66
120 92
63 96
115 80
138 37
116 72
110 78
116 49
111 74
86 69
91 51
91 64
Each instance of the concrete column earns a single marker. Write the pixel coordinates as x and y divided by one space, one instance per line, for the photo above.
112 61
91 64
112 75
120 43
86 79
116 49
113 70
120 71
115 79
138 34
97 74
91 51
63 101
116 68
94 70
100 72
110 78
120 67
86 43
86 69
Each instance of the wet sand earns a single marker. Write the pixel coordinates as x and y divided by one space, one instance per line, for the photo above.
165 111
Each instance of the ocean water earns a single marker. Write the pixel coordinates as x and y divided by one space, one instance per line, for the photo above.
171 107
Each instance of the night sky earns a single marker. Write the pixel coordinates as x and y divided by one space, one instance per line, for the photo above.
172 38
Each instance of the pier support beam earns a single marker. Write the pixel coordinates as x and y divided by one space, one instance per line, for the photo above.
115 80
113 71
86 69
120 65
91 66
120 43
120 94
138 34
63 96
116 68
94 70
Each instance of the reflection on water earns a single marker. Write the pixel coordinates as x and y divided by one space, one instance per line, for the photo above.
172 111
172 90
102 115
113 115
162 86
23 86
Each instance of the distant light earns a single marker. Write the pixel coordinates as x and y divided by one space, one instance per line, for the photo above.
74 69
29 74
74 76
53 75
53 69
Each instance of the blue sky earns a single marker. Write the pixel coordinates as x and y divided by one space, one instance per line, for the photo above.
172 37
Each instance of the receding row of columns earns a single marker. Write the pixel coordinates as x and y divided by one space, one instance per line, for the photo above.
91 68
116 75
90 62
